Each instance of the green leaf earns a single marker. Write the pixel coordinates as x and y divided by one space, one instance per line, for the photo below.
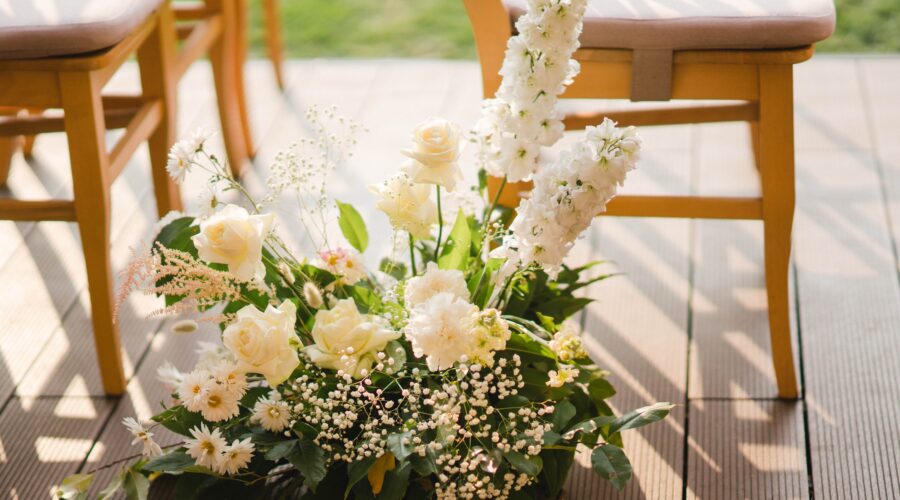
253 395
357 471
562 307
281 450
353 227
179 420
600 389
396 445
394 350
556 469
530 465
75 487
393 268
641 417
458 245
308 458
395 483
589 426
610 463
136 485
174 461
562 414
177 235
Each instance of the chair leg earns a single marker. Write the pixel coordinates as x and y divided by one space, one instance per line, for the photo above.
754 142
273 39
223 58
85 129
240 46
776 164
155 58
7 149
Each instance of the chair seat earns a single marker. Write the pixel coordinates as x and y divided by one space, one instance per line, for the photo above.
31 29
701 24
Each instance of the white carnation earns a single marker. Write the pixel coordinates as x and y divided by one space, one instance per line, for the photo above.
440 328
434 281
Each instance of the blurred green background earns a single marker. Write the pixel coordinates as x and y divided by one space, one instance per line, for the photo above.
440 28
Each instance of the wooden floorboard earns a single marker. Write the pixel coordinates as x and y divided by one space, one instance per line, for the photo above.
849 299
746 449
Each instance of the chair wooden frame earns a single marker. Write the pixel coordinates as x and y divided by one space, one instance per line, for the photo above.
74 84
217 28
761 79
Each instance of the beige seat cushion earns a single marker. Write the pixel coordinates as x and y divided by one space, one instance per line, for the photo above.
701 24
43 28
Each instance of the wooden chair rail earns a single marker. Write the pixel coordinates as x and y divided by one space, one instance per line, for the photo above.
701 207
119 110
138 130
185 11
746 112
198 37
37 210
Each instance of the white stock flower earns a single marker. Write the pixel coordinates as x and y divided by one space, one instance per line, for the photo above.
536 68
435 280
235 457
233 237
272 414
347 340
407 205
568 194
143 436
265 342
206 447
439 329
434 154
345 263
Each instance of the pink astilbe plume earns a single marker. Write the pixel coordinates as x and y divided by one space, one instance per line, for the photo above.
165 271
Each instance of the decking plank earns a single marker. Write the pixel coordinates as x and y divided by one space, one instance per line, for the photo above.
730 348
746 449
42 440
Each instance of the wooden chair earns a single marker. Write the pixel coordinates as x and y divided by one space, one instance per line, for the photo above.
693 50
65 64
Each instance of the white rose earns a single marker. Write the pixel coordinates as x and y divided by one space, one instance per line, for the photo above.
407 205
347 340
265 342
434 281
233 237
434 154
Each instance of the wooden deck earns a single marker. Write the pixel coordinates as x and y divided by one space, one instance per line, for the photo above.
686 322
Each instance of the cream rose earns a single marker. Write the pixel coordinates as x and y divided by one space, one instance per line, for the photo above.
434 154
347 340
233 237
265 342
407 205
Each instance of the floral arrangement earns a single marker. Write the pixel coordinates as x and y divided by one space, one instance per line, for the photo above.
451 371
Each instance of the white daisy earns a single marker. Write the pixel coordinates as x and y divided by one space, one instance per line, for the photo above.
170 376
234 380
143 436
235 457
191 389
207 447
218 402
272 414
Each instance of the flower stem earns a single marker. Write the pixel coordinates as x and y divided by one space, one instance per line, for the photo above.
490 212
412 255
437 245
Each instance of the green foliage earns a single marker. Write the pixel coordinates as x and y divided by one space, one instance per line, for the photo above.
610 463
353 227
458 248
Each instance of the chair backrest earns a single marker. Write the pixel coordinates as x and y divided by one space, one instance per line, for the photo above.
492 28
